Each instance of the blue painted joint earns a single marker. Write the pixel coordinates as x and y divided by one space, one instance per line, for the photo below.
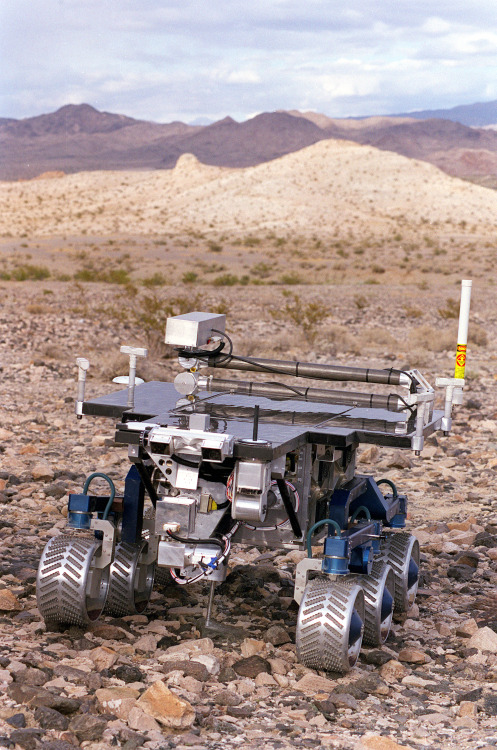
336 556
398 521
361 559
376 543
79 511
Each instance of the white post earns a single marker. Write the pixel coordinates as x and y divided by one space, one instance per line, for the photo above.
133 352
83 365
462 338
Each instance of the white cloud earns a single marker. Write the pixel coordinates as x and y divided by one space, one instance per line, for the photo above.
182 59
243 76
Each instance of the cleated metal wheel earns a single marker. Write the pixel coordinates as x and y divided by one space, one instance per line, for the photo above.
379 588
163 577
401 551
70 589
131 580
330 625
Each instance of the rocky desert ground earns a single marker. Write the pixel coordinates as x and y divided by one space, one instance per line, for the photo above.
337 254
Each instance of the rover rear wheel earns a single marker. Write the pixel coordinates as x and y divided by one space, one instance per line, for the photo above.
131 580
400 550
70 588
330 625
379 589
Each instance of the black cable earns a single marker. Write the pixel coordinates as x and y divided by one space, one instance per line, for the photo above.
199 353
184 540
408 406
147 482
229 354
222 506
185 462
287 502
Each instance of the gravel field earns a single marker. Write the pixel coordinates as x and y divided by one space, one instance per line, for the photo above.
156 680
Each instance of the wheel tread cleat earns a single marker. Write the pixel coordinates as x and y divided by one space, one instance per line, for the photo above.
70 589
330 625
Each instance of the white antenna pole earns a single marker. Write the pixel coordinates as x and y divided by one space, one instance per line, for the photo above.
462 335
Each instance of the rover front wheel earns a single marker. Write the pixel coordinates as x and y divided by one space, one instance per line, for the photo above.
70 588
330 625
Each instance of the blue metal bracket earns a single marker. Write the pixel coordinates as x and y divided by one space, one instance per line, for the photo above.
134 496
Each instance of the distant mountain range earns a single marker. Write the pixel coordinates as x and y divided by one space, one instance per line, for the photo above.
479 115
79 138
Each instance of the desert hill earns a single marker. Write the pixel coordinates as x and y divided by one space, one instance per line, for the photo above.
80 138
331 188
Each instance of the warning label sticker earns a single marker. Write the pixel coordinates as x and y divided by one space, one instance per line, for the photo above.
460 360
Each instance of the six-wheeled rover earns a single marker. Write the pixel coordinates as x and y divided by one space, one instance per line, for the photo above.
217 461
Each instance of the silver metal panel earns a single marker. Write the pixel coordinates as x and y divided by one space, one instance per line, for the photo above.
251 475
303 485
171 554
193 329
180 510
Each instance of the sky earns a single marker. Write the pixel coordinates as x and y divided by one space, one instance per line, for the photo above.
191 60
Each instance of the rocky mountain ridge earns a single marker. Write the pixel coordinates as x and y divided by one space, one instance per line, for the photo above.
79 138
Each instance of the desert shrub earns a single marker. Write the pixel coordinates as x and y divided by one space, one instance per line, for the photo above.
227 279
262 270
251 241
477 335
36 308
412 311
291 279
190 277
112 276
305 315
361 302
157 279
214 247
451 309
373 338
30 272
116 276
432 339
150 311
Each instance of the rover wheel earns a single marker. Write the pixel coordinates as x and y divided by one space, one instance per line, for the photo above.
163 577
70 589
131 581
379 588
330 625
401 551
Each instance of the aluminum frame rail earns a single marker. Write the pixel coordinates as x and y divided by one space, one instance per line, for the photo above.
391 402
311 370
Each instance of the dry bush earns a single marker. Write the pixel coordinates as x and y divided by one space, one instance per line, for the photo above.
36 308
431 339
412 311
477 335
451 309
372 338
55 352
307 316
